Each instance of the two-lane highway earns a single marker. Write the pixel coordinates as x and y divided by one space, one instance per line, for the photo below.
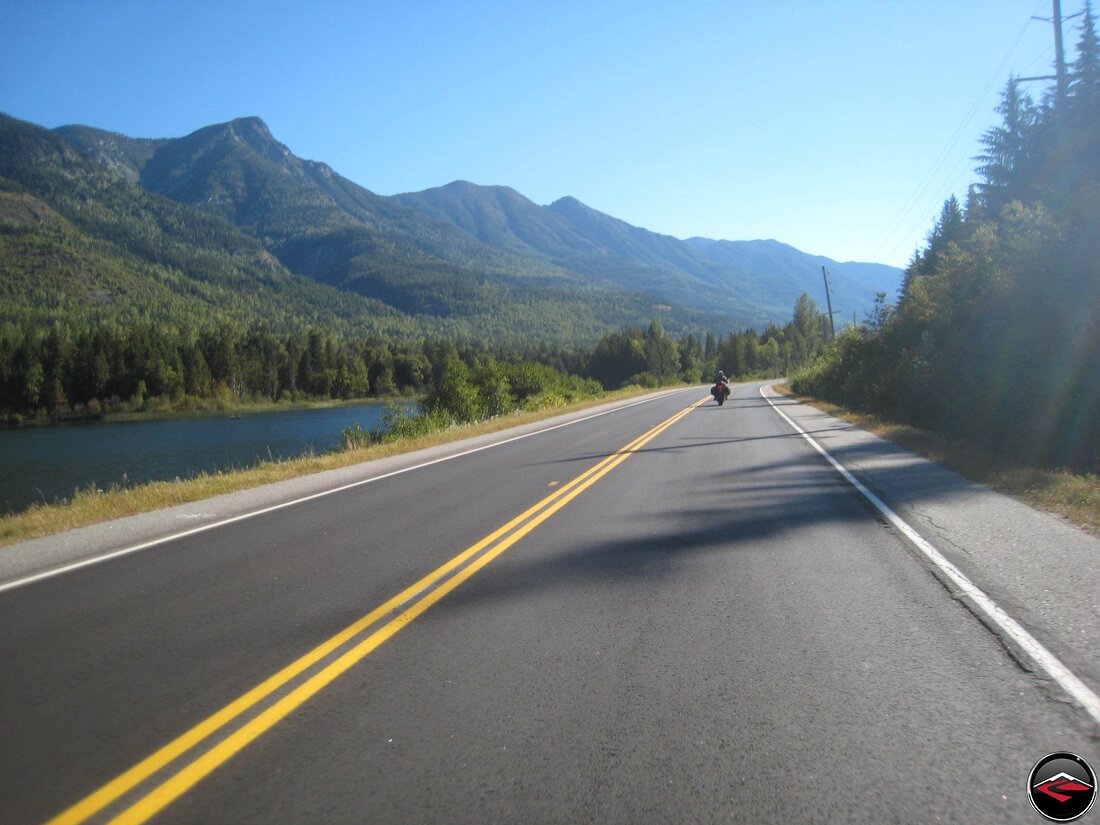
673 613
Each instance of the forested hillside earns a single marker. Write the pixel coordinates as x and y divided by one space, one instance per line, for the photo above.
66 371
445 252
331 230
574 237
220 269
996 336
759 280
792 272
81 244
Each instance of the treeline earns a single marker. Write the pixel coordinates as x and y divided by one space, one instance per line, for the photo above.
85 370
996 336
650 357
65 372
480 386
71 371
466 390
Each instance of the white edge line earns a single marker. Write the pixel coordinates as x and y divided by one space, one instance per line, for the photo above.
113 554
1069 682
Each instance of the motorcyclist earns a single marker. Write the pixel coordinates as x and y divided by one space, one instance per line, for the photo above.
721 385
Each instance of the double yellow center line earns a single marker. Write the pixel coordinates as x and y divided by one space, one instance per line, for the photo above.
156 792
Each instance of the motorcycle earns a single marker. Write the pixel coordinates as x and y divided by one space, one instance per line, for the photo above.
720 392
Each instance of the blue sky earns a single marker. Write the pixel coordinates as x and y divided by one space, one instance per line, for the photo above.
837 127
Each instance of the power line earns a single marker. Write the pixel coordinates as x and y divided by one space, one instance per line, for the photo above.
911 202
1061 76
958 172
929 177
1041 61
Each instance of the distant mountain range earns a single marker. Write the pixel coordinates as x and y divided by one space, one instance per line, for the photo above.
759 279
464 260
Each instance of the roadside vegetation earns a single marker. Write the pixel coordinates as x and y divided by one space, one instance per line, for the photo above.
464 391
93 504
76 368
1073 496
995 339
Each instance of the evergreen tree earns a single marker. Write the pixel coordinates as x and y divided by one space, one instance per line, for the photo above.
1005 162
661 357
1084 79
947 230
1083 115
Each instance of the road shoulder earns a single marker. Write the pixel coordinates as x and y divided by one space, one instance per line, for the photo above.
39 556
1043 571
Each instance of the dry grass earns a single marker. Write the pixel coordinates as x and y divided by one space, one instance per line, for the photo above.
1073 496
91 506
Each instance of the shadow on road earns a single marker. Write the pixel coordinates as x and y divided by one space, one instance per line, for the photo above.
733 511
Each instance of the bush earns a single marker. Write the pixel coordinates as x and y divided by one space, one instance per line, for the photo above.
398 423
355 437
544 400
645 379
461 395
493 388
454 394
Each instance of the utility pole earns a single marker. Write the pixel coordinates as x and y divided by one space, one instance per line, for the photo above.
1060 75
829 301
1059 53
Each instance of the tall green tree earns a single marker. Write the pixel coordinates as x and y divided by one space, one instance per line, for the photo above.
1005 163
1084 80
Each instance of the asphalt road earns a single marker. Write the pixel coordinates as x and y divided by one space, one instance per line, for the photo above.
712 628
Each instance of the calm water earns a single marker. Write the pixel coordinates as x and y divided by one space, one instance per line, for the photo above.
47 463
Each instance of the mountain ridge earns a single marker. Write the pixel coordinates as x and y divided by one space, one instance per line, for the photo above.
850 281
80 240
696 271
567 236
482 256
473 230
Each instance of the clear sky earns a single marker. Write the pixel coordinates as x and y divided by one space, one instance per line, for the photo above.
836 126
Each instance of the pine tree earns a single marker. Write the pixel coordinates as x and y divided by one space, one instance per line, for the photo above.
948 229
1084 79
1083 102
1006 160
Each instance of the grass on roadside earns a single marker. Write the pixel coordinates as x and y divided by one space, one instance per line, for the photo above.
1076 497
93 505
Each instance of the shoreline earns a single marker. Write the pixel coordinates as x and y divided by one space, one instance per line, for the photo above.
228 411
91 506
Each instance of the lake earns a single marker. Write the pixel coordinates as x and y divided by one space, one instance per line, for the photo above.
48 463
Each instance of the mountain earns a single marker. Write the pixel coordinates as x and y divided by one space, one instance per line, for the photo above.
497 215
79 238
324 226
574 237
467 261
299 209
214 207
759 279
122 155
447 251
792 272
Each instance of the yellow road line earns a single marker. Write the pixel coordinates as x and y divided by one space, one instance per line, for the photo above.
190 774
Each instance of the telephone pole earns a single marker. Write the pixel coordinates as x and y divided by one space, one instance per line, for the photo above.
829 301
1059 52
1060 75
